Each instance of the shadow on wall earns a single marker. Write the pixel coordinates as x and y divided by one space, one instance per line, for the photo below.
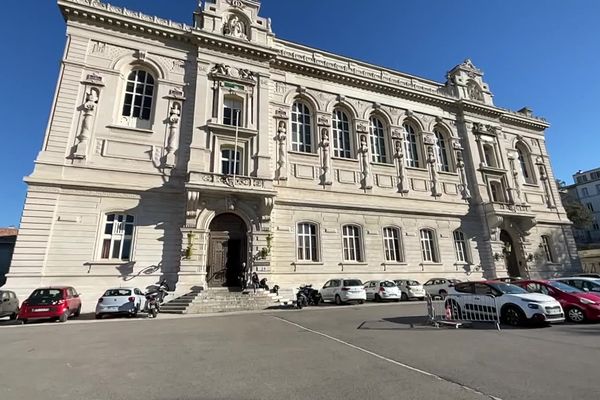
8 237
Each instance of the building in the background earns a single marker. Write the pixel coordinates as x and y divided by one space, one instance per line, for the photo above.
201 153
586 190
8 237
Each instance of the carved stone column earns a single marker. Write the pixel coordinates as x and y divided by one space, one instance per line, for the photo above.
397 137
173 127
191 211
325 146
365 163
93 85
546 182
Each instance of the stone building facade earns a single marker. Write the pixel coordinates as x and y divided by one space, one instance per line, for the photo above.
194 153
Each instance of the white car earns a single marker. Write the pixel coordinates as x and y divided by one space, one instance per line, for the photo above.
583 283
127 301
382 290
410 289
9 304
439 287
514 304
343 290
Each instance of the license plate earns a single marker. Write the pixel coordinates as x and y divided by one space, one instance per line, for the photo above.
41 309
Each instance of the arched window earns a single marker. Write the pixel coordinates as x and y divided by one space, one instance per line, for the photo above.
377 133
497 192
391 244
489 155
428 249
139 95
525 163
460 246
117 237
411 149
352 243
301 128
230 161
547 246
307 242
341 134
442 151
232 111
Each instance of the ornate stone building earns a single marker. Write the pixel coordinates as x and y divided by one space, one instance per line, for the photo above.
194 152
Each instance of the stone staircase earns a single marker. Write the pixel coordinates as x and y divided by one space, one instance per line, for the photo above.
219 300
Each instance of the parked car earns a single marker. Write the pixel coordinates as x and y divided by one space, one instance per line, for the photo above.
578 305
382 290
517 305
509 279
56 303
9 304
439 287
583 283
343 290
589 275
410 289
125 301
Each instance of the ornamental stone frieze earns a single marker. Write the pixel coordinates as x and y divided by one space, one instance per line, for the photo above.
226 71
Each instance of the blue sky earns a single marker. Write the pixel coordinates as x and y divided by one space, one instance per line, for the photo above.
541 53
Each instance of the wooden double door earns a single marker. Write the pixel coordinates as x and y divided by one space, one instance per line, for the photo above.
227 251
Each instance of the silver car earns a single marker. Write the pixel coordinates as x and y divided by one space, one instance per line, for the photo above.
410 289
9 304
124 301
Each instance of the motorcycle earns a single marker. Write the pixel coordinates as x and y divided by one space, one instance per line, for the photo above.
307 296
154 298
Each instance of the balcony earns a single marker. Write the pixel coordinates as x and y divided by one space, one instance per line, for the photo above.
520 214
207 181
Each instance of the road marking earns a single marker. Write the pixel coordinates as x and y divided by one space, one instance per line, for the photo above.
389 360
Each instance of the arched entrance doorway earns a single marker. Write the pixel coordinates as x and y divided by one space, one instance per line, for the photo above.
510 255
226 251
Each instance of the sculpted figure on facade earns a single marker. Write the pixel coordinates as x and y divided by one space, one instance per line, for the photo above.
235 27
174 116
546 182
282 173
516 189
433 168
400 167
89 108
221 69
326 157
460 166
367 176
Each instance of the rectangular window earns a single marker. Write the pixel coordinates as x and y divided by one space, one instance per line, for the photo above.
232 111
590 206
460 246
584 192
230 161
301 128
352 243
307 242
547 248
391 243
598 188
596 226
428 246
117 237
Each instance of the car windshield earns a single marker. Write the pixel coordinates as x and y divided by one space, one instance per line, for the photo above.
117 292
454 280
563 287
507 288
46 295
352 282
412 283
387 284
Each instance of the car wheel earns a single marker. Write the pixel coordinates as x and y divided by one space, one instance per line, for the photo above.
421 298
404 297
338 299
512 316
64 317
377 298
575 315
23 321
98 316
361 302
78 311
13 316
443 294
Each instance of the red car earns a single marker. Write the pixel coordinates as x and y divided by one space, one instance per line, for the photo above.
56 303
579 306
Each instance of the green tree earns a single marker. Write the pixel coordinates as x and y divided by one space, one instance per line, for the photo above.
580 216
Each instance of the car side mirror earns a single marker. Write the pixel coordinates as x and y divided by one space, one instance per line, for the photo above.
586 289
76 295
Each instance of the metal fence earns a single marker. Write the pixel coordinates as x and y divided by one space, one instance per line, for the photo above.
457 309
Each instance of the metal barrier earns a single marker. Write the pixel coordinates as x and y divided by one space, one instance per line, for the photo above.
457 309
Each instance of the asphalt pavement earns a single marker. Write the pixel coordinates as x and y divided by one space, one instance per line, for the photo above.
348 352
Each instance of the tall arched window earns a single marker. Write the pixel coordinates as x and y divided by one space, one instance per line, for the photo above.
391 244
442 151
341 134
525 163
307 243
411 149
117 237
139 95
301 128
460 246
352 243
428 246
377 133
